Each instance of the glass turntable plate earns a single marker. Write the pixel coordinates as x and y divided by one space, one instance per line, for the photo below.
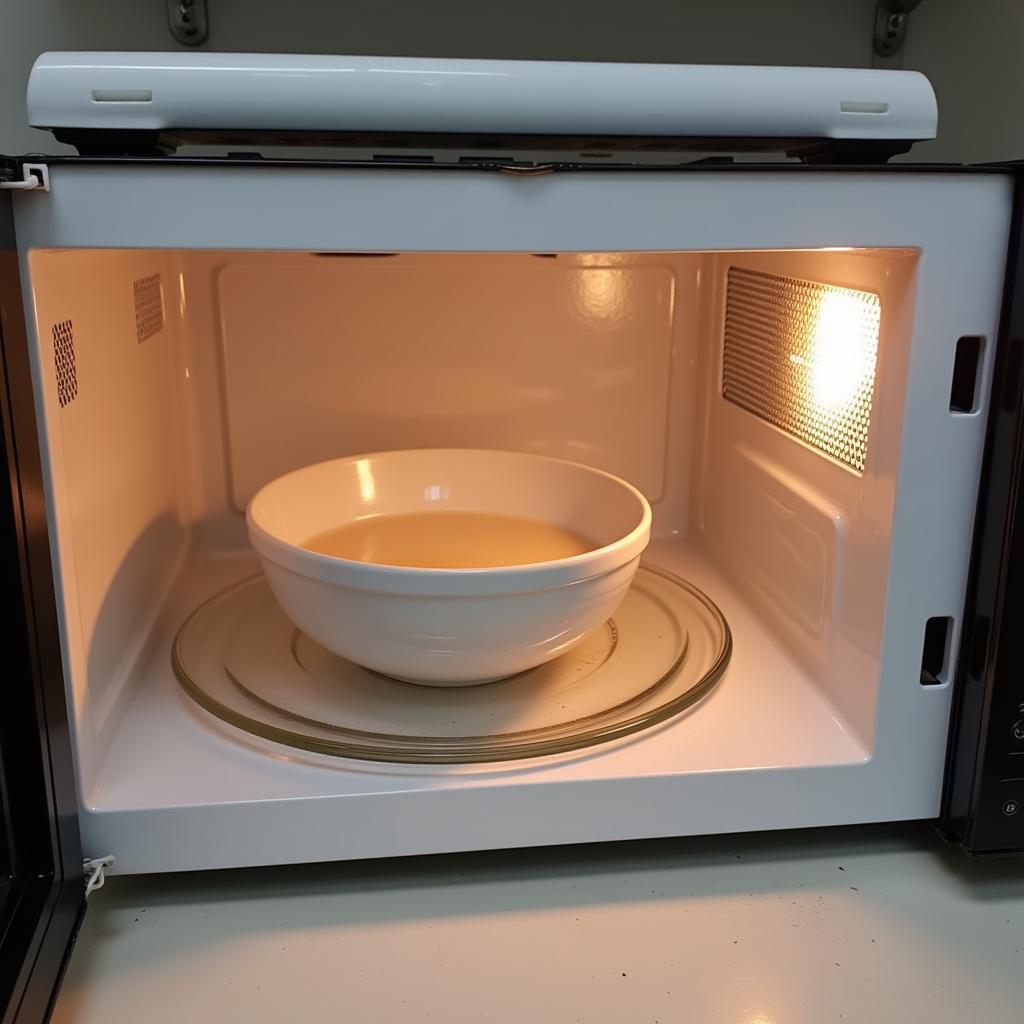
241 658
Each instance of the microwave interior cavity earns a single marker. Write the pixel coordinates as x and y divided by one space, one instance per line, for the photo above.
756 398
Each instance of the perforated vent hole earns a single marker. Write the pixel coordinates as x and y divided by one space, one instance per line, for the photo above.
64 361
801 355
149 306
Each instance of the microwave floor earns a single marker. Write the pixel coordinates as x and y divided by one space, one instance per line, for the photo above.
240 657
166 759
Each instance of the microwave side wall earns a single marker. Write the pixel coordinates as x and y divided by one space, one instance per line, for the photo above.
956 222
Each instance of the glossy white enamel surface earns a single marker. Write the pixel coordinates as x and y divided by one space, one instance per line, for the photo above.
448 627
405 94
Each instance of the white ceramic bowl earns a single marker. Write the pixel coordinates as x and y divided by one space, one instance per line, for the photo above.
448 627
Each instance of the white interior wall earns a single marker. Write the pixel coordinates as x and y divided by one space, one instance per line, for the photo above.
805 536
290 358
573 356
122 527
742 31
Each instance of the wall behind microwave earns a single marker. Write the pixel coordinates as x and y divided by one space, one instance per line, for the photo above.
971 53
738 32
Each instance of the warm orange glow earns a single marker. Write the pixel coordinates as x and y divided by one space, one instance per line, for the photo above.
843 346
602 295
801 355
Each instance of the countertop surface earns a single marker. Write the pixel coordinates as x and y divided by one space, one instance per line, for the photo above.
879 923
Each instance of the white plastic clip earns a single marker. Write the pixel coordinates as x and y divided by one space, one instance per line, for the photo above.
34 176
95 872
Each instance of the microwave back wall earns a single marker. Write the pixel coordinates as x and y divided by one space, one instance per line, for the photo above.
794 365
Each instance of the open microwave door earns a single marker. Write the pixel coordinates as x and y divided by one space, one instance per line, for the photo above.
42 896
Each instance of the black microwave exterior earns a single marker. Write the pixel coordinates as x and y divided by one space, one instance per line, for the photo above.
983 796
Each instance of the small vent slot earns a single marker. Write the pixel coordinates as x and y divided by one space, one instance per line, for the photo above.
963 393
149 306
122 95
801 355
64 361
935 653
863 107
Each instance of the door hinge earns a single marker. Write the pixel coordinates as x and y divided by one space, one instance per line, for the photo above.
33 177
94 869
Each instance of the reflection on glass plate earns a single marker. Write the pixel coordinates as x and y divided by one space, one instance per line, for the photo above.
242 659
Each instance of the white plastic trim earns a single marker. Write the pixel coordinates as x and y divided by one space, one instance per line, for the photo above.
34 177
156 91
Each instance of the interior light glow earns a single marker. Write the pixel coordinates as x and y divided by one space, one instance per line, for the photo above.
601 295
801 355
843 350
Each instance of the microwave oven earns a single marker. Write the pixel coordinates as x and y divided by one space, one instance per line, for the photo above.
812 369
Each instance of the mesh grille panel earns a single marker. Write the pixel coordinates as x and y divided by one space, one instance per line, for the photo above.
801 355
149 306
64 361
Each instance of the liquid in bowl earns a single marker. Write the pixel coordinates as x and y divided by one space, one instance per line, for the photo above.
450 539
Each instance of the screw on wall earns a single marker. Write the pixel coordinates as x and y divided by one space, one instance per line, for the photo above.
891 17
187 21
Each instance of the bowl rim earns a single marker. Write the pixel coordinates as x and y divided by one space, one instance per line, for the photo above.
382 576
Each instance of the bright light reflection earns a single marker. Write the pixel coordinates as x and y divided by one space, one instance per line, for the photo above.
842 356
367 485
602 294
